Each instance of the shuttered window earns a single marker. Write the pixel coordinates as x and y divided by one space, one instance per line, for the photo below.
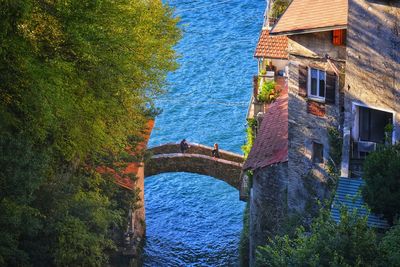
316 88
339 37
317 84
330 87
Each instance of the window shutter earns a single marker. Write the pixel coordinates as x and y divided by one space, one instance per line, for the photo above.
339 37
303 78
330 87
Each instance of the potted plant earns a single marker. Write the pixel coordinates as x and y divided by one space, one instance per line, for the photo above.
268 92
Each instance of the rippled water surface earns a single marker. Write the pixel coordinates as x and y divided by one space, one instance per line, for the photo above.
195 220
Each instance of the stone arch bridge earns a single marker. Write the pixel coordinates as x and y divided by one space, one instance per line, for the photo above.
168 158
197 159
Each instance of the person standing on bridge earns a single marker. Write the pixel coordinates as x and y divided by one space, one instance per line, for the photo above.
184 146
215 152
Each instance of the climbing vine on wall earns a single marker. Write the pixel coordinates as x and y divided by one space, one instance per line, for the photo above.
335 152
250 136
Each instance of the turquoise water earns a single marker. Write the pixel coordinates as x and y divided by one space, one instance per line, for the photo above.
195 220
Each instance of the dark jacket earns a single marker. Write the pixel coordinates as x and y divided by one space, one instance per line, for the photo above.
184 146
215 153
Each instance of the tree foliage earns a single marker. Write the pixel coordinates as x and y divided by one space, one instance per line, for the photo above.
250 136
389 247
382 181
77 81
279 7
335 151
348 243
268 92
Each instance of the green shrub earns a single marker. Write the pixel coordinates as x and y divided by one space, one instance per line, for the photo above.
268 93
348 243
335 151
250 136
278 7
389 247
382 181
388 133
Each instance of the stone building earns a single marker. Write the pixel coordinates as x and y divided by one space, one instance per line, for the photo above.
372 89
343 73
290 154
317 52
272 58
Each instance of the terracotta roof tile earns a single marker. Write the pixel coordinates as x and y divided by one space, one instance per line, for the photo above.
271 46
271 144
303 15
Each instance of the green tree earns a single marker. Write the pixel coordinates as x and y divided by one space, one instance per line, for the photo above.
279 7
77 83
382 181
389 248
347 243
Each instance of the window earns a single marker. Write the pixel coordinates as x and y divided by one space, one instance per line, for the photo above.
372 124
316 84
318 153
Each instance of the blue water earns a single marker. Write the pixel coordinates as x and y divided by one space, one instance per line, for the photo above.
195 220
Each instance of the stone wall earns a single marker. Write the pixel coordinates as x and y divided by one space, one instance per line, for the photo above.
285 195
268 205
373 63
315 45
304 129
222 169
306 126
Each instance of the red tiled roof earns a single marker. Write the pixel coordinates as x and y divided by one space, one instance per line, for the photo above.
271 144
271 46
303 15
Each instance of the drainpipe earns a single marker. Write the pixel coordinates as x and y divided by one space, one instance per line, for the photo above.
344 172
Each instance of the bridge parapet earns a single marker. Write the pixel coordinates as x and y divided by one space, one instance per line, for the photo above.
194 148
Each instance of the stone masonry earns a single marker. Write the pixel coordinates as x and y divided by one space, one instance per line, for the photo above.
268 205
198 160
367 72
307 181
285 195
373 63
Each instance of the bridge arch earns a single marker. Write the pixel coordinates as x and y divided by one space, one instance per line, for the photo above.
168 158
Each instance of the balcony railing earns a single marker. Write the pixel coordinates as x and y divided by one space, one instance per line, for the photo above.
255 106
360 149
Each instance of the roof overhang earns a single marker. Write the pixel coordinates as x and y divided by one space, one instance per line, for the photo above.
309 16
274 47
280 58
304 31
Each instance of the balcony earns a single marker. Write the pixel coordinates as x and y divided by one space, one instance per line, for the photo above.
371 129
257 107
359 151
